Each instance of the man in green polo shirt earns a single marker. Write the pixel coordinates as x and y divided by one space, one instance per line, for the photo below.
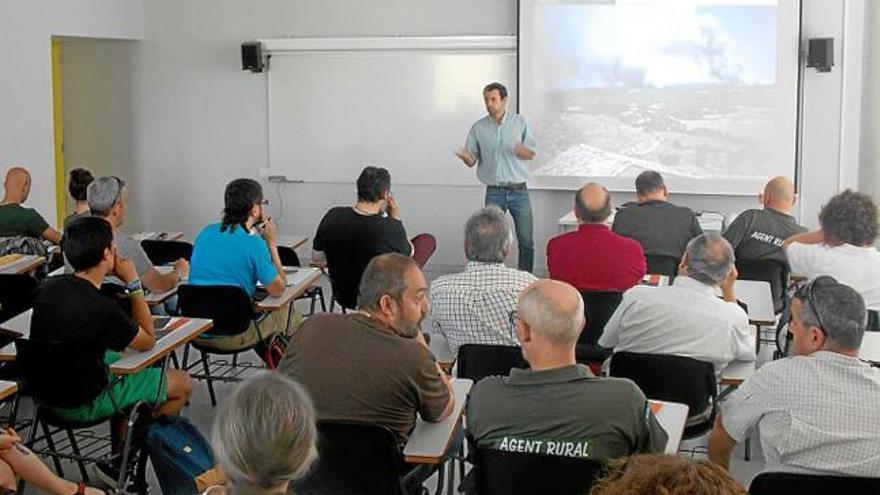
558 407
16 220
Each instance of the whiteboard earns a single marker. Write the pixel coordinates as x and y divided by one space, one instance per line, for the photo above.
332 112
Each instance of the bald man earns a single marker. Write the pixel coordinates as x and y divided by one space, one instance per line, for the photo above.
16 220
593 258
759 234
558 407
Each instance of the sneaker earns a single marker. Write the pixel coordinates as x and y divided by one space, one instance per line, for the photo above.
105 474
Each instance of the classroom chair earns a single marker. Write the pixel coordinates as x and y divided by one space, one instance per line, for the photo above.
165 252
232 311
806 484
477 361
360 459
498 472
16 294
314 293
80 442
674 379
598 308
662 265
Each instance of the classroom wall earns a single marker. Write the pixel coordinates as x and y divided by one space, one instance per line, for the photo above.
870 142
26 28
201 121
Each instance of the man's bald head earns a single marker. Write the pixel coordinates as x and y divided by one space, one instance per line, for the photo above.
17 185
779 194
592 203
553 310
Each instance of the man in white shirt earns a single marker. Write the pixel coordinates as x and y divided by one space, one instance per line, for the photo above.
843 248
687 318
817 411
473 307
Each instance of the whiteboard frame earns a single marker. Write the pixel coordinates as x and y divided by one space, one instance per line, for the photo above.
390 43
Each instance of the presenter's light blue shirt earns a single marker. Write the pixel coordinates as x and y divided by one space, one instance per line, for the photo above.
492 145
231 258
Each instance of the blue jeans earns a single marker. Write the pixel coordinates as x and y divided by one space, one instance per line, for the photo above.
515 199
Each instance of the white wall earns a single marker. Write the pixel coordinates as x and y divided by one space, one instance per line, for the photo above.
870 150
26 28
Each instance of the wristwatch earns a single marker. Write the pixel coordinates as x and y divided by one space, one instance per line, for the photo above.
134 286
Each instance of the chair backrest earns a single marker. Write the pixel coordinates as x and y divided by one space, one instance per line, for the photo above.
162 252
228 306
424 246
805 484
16 294
598 308
873 321
354 459
662 264
288 256
669 378
42 362
477 361
515 473
772 271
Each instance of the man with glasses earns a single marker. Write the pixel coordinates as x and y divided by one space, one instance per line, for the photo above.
817 411
108 199
241 250
558 407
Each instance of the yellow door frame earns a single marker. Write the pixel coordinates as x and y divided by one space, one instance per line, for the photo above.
58 126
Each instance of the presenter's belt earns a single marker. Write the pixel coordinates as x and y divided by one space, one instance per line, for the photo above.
507 187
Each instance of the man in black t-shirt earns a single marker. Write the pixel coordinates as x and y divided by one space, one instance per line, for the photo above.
660 227
350 236
71 310
759 234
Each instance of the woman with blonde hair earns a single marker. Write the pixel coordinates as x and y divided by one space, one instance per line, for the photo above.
658 474
264 435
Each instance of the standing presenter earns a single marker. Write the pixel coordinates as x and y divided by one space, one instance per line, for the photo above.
499 145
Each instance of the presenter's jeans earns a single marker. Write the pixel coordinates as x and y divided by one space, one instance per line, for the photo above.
515 199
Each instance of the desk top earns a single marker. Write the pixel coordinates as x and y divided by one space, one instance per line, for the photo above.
757 296
672 417
737 372
439 347
133 361
155 298
20 323
157 236
292 241
7 389
429 442
25 264
870 350
297 284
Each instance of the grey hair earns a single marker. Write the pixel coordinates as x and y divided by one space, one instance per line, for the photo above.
264 433
709 258
384 275
487 236
103 193
841 310
558 320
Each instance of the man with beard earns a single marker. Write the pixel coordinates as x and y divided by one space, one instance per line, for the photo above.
373 365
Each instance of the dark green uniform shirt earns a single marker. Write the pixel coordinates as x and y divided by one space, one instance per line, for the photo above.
759 234
16 220
565 412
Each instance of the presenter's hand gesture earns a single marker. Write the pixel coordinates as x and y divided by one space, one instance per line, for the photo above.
466 156
392 207
270 232
522 152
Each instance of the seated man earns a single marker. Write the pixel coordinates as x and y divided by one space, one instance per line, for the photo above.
372 365
844 246
817 411
759 234
18 221
231 253
593 258
472 307
558 407
350 236
660 227
71 309
108 199
687 318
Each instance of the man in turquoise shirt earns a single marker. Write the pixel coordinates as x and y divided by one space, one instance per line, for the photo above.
499 145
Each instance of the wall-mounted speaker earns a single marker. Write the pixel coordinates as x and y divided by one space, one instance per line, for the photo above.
820 54
252 56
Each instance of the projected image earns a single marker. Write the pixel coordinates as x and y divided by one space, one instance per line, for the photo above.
688 88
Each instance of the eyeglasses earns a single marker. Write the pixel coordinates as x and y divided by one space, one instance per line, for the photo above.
513 317
264 202
119 186
806 293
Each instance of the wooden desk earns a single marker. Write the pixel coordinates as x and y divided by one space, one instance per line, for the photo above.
26 264
429 442
672 417
157 236
292 241
297 284
133 361
757 296
870 350
7 389
737 372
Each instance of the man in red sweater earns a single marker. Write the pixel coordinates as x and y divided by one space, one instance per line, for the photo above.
593 258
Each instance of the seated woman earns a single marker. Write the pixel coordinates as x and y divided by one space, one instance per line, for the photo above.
78 185
16 461
658 473
264 435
